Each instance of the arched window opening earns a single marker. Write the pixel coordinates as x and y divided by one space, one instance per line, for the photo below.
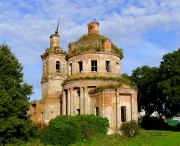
70 68
108 66
45 67
80 66
123 113
58 65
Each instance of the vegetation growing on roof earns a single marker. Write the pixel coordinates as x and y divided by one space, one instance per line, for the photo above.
91 37
117 51
93 43
113 86
53 51
87 49
121 81
101 88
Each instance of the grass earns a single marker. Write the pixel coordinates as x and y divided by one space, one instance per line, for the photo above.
146 138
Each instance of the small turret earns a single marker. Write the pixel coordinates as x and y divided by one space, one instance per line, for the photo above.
93 27
107 45
54 39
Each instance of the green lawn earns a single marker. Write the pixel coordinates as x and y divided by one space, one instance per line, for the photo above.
147 138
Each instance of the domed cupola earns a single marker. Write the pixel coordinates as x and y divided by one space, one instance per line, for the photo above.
93 42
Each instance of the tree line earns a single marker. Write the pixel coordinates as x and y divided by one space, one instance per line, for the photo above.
159 87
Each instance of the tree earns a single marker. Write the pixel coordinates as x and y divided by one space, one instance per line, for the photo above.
149 97
126 76
14 96
170 82
159 88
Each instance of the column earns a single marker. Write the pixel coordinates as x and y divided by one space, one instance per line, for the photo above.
81 101
91 105
86 105
64 103
69 101
72 102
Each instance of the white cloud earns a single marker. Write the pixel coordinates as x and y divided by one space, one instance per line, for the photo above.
27 25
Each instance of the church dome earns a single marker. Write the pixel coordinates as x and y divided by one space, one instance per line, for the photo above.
93 43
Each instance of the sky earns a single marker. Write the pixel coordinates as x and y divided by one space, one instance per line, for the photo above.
145 29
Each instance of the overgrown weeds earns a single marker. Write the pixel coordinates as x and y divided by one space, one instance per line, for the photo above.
130 129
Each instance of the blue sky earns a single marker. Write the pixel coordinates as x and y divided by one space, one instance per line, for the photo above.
144 29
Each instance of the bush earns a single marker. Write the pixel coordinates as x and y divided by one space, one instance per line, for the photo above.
57 136
130 129
178 127
41 128
97 124
153 123
64 130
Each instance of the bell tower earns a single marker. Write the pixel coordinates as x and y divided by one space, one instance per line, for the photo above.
54 68
53 75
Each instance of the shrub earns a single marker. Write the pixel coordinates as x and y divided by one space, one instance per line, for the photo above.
130 129
66 130
178 127
86 130
57 136
62 130
41 128
153 123
97 124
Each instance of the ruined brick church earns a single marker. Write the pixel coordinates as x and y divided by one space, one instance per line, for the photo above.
86 80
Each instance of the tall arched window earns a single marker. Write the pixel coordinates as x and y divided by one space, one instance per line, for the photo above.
58 65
